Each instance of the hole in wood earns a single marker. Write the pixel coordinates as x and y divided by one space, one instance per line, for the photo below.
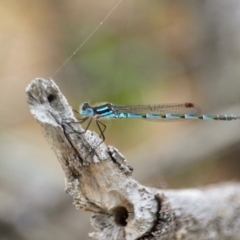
120 216
50 97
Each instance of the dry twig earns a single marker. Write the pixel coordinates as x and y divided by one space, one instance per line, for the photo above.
100 181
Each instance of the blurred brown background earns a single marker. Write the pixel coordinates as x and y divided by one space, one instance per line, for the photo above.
146 52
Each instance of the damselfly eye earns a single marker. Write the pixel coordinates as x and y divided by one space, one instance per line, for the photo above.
84 106
89 111
86 110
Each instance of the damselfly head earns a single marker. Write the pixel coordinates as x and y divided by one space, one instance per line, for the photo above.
86 110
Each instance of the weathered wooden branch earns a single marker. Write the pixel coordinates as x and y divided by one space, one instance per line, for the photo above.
100 181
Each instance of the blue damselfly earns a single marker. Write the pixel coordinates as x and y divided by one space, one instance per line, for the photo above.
152 112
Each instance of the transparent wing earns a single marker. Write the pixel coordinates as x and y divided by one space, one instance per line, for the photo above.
171 108
168 108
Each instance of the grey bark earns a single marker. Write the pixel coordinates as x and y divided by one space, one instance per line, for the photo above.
99 180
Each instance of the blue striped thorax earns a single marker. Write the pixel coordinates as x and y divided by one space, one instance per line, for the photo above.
104 110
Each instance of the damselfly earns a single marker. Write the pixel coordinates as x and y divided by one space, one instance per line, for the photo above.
152 112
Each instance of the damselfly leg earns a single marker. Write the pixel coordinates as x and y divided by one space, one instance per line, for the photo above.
100 126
